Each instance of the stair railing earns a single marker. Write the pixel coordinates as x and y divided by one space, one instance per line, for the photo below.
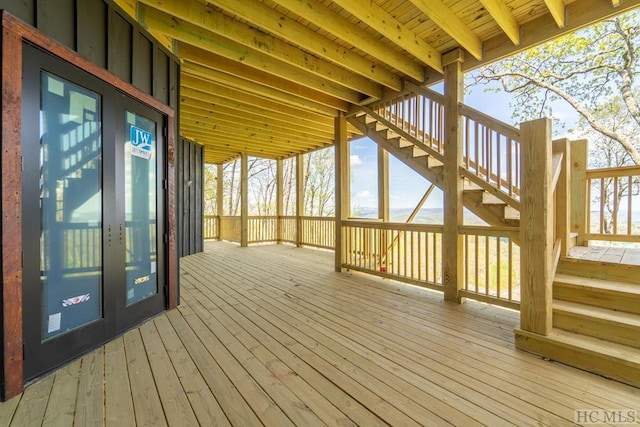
491 152
491 155
419 113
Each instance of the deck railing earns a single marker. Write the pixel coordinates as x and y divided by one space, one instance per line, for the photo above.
318 232
491 262
230 228
613 213
263 229
411 253
211 227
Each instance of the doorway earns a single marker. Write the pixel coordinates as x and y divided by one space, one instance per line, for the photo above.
93 202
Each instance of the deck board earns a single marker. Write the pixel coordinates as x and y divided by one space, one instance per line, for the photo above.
271 335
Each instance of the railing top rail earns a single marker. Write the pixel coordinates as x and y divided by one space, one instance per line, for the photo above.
509 131
482 230
400 226
613 172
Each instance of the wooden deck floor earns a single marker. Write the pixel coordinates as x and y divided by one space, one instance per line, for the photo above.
612 254
269 335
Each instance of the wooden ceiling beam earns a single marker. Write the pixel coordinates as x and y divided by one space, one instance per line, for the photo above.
191 69
395 31
504 18
203 16
232 121
192 34
444 18
211 60
204 87
297 34
340 27
207 100
231 115
211 108
557 11
241 142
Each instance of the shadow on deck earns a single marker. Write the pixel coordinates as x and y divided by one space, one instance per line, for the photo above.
270 335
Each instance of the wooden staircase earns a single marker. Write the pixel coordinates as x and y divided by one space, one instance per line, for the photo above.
428 162
596 321
596 311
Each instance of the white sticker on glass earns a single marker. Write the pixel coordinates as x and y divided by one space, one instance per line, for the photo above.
54 322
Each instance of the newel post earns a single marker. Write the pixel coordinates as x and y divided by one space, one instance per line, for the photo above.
342 183
536 227
579 202
452 257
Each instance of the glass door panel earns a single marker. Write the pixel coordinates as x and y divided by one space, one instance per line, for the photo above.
140 207
70 205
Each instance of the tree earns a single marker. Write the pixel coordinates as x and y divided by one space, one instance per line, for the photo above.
595 71
591 70
319 179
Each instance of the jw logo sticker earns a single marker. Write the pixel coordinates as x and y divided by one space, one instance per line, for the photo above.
141 143
75 300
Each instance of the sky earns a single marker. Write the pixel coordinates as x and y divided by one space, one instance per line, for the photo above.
406 187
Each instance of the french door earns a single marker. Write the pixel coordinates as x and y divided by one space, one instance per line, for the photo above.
93 211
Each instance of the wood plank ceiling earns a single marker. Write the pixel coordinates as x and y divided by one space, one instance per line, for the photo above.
267 77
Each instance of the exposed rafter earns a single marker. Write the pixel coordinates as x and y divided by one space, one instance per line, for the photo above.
504 18
205 17
332 22
270 20
543 28
557 10
234 68
267 77
377 18
451 24
198 36
266 92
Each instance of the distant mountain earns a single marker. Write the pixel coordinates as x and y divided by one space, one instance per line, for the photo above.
425 216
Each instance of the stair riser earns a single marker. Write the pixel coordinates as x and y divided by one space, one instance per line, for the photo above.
599 328
613 300
622 370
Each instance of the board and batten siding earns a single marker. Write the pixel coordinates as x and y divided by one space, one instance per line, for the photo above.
190 169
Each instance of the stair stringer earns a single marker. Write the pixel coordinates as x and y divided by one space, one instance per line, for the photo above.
492 214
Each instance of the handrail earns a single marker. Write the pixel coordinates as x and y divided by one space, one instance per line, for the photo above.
491 122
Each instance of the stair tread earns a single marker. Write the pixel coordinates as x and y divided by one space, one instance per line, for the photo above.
625 353
589 282
606 314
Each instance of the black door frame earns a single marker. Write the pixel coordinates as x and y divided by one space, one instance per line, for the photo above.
42 356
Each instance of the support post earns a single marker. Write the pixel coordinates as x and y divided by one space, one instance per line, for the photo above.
452 257
299 198
579 202
383 184
562 199
279 199
536 227
342 183
244 201
220 197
